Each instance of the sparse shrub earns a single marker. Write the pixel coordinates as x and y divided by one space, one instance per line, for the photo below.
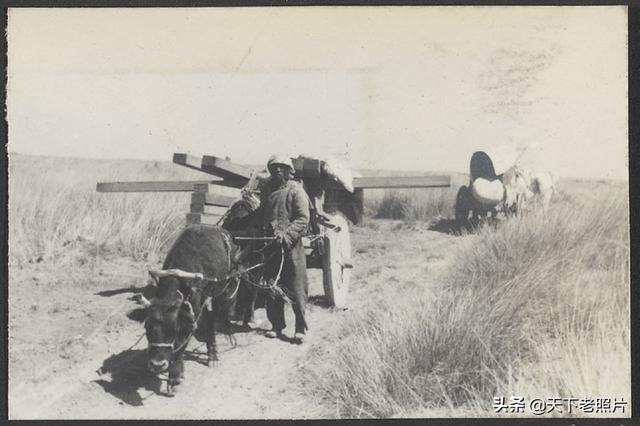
427 204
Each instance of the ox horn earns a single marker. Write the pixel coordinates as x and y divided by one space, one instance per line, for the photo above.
175 273
142 300
147 303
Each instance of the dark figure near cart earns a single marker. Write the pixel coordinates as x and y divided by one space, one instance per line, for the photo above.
284 214
284 210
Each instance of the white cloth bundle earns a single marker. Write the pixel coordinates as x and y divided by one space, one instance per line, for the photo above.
335 170
251 190
486 192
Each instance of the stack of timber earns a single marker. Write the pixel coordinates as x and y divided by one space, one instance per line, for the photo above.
209 203
211 199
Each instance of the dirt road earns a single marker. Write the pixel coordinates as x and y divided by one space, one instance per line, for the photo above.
71 354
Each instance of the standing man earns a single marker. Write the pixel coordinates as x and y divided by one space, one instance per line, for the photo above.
284 211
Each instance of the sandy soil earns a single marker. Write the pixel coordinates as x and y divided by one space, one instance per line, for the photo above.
72 352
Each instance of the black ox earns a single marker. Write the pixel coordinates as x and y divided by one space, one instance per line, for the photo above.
197 287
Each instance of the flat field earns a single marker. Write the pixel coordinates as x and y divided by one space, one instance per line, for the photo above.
438 324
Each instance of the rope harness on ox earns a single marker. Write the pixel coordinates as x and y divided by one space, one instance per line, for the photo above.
207 300
272 285
228 279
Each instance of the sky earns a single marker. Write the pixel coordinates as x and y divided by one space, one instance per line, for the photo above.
398 88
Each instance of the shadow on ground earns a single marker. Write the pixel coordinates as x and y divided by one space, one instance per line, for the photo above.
196 355
129 376
446 226
319 300
451 227
137 314
109 293
239 327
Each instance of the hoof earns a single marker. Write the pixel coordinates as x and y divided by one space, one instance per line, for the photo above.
299 338
212 363
171 392
274 334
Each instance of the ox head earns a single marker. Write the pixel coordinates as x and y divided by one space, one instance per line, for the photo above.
168 323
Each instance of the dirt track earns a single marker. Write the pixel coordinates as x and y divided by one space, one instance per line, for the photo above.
67 325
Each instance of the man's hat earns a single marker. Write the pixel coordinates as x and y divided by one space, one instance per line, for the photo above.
282 159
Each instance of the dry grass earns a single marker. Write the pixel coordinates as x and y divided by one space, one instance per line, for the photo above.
411 204
56 215
538 307
422 204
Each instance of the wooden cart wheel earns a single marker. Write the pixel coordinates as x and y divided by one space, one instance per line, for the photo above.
463 206
336 262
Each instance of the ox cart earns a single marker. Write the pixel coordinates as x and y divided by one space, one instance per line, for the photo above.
335 208
494 187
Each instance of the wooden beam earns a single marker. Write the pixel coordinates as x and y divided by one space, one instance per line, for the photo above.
195 218
213 199
174 186
402 182
217 189
230 183
190 161
234 175
225 169
203 208
152 186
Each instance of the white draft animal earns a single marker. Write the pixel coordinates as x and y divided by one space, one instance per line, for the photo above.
544 186
522 187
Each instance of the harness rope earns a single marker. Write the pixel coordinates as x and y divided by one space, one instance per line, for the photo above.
229 278
237 275
202 307
275 282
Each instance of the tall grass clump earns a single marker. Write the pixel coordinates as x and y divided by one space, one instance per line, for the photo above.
537 307
56 215
412 204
